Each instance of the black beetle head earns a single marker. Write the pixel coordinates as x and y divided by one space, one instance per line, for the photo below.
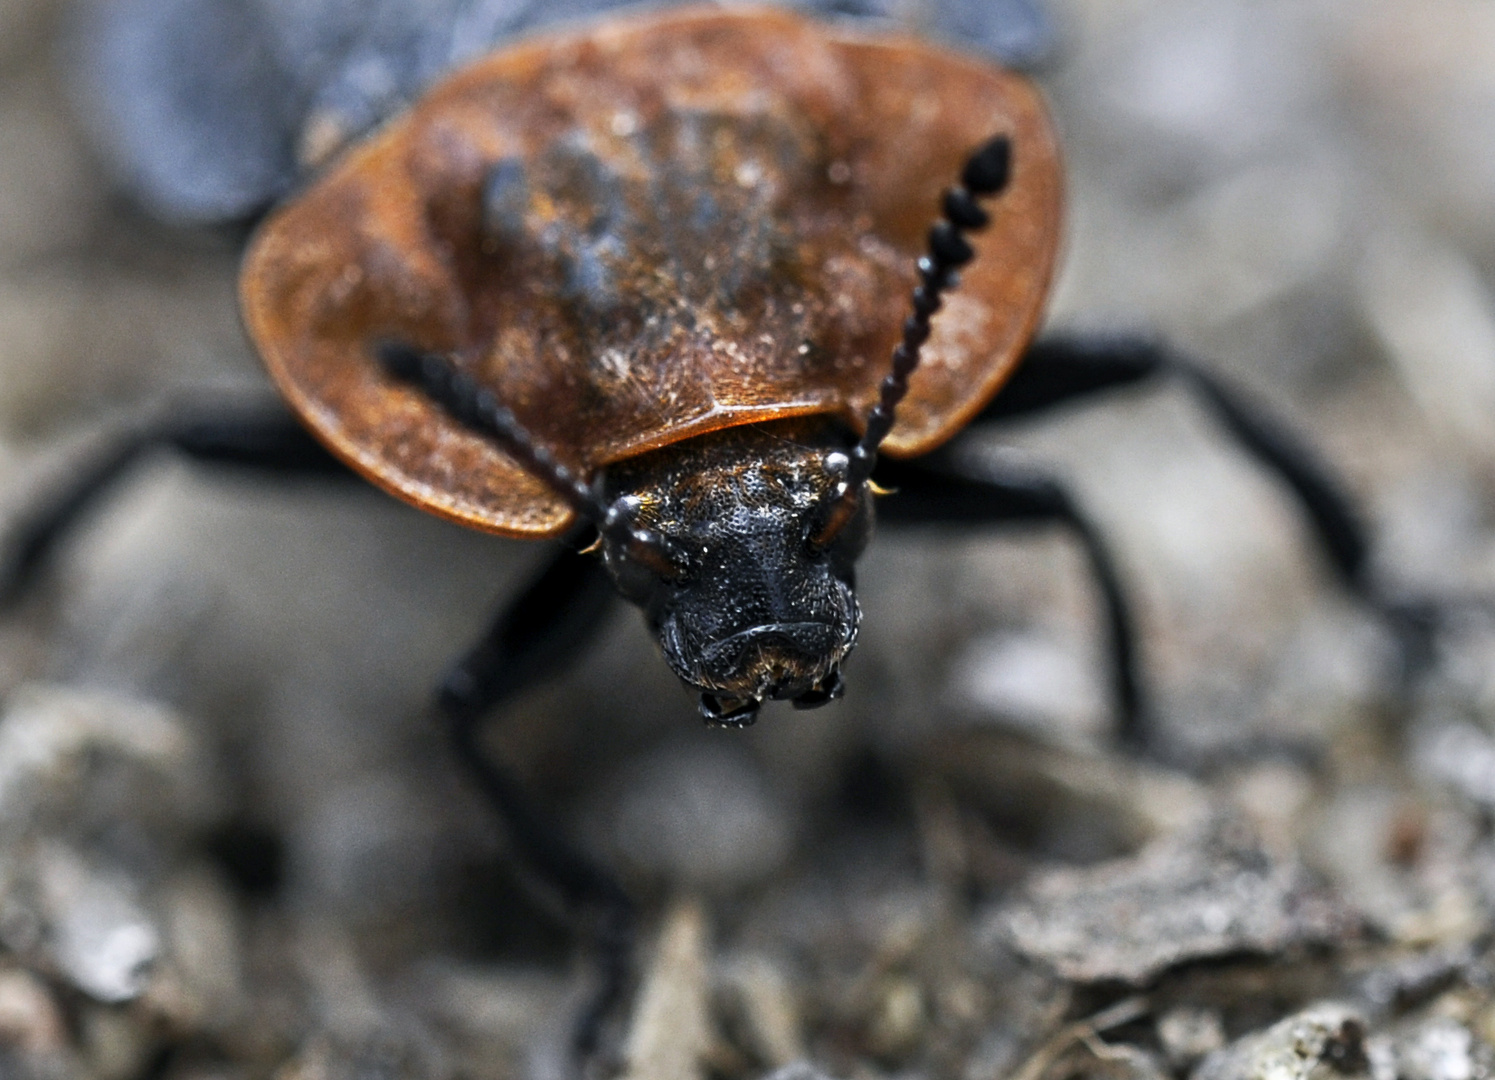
755 610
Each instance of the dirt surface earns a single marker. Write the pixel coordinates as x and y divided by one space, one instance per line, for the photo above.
232 845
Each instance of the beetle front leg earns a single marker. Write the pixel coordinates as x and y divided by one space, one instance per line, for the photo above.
537 635
1067 368
935 491
1062 369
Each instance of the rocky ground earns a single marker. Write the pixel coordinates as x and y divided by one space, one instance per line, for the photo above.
232 845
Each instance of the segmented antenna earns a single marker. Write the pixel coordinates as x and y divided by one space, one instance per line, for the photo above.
985 174
475 407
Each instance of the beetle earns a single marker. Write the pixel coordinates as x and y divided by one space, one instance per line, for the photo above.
637 280
627 250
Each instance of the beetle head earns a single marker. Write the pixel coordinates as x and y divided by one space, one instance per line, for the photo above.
754 610
722 541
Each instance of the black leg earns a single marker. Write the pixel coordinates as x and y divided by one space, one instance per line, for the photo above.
535 636
1064 369
265 439
933 490
1059 370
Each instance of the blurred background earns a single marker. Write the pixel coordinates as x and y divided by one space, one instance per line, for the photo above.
232 845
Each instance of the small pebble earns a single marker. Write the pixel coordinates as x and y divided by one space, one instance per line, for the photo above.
98 935
1327 1036
1213 891
670 1033
1189 1033
1441 1048
800 1070
770 1011
30 1020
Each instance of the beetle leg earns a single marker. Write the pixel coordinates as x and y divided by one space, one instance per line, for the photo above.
933 490
1062 369
264 438
1067 368
535 636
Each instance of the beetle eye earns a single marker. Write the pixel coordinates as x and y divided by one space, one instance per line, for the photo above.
831 518
836 511
640 580
643 548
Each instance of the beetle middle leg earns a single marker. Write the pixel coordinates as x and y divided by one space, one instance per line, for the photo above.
534 636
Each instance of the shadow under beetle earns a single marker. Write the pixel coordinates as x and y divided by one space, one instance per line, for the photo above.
639 281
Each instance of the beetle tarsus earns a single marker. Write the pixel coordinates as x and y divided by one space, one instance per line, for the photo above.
1071 368
37 535
590 893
